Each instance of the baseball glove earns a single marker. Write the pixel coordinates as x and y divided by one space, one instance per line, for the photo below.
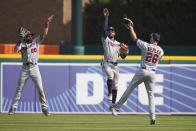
22 32
127 22
124 50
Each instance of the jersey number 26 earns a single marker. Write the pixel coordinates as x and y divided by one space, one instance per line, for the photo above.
152 58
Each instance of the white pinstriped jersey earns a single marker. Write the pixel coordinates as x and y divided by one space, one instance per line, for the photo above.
111 49
151 54
30 51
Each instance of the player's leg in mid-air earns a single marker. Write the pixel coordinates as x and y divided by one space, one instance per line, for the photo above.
115 88
137 79
37 79
24 75
110 75
115 84
149 84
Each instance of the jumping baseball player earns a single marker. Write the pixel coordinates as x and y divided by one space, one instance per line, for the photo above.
151 54
112 50
29 49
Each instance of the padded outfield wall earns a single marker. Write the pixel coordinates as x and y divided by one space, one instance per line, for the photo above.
76 84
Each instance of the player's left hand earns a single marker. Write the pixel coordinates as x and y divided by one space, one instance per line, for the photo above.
127 22
50 18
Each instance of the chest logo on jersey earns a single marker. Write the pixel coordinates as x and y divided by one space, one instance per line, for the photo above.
151 49
111 43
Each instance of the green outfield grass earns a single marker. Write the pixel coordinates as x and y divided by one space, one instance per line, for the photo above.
70 122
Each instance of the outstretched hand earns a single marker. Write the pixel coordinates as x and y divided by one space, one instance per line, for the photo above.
128 21
50 18
105 12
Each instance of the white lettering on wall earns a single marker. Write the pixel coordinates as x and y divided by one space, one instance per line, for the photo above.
82 80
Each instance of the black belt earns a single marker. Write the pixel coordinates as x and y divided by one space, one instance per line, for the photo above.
29 63
150 69
114 63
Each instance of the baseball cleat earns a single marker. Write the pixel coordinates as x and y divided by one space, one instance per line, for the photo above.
45 112
110 97
152 122
11 111
114 112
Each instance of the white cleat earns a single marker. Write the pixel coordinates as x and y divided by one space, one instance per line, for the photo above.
114 112
110 97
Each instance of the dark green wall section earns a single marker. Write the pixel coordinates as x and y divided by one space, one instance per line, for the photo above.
134 50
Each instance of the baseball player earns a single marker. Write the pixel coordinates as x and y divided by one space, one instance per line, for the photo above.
112 50
151 54
29 49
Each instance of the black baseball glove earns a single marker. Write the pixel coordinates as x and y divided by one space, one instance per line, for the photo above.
22 32
127 22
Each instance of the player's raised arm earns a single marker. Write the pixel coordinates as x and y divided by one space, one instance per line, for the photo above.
129 24
133 34
47 25
105 26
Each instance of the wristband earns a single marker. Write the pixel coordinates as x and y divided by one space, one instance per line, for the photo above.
47 25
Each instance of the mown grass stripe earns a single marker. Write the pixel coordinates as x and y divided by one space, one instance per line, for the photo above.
71 122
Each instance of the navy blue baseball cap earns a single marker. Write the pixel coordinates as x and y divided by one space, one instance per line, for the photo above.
111 28
155 36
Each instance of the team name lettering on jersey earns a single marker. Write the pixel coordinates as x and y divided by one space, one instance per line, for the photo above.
112 44
110 49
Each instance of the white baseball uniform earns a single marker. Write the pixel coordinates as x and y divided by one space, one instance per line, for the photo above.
109 64
151 54
30 54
